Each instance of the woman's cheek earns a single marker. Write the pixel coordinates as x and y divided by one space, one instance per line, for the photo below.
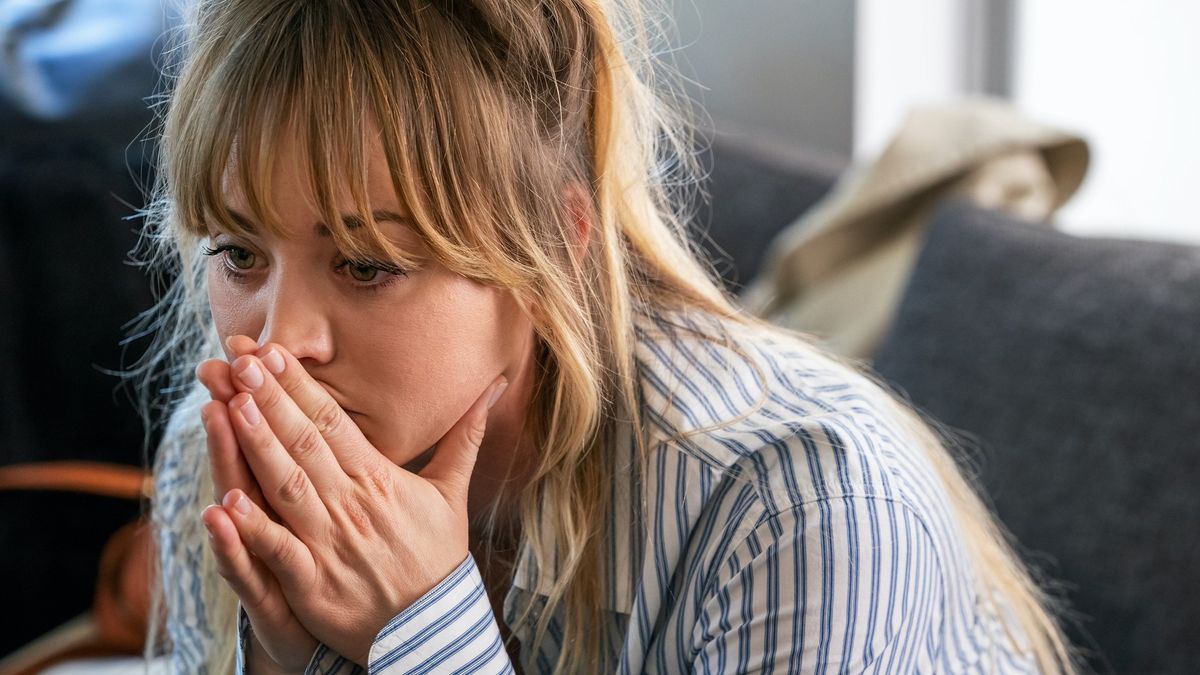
218 297
232 313
412 425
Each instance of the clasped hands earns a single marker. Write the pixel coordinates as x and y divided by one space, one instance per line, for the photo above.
321 536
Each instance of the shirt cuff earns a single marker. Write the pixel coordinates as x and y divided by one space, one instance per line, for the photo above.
452 627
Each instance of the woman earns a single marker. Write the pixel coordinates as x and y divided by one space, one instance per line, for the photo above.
470 403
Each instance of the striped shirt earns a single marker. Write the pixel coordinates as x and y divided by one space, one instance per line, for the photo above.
809 537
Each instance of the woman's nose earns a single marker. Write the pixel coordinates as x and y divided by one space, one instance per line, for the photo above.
298 321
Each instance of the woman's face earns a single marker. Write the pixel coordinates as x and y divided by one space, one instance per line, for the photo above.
404 355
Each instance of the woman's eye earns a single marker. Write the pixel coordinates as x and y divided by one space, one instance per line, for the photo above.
372 275
363 272
238 256
369 275
241 258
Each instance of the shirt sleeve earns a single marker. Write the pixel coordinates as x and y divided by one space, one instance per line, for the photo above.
450 628
847 584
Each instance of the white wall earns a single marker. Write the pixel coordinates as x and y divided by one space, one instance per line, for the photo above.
908 53
1121 74
1125 75
780 69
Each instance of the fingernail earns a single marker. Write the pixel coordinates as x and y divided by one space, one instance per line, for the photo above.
242 505
250 412
251 376
274 361
204 416
496 394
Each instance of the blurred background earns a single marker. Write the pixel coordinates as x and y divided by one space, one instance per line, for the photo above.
838 76
988 202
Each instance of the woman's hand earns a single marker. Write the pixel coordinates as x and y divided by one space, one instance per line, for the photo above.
361 538
278 643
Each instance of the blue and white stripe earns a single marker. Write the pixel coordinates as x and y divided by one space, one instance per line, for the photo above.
809 537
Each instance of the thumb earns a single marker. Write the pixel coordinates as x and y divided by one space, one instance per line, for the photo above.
454 459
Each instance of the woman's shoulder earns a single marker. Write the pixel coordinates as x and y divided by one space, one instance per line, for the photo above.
748 401
818 471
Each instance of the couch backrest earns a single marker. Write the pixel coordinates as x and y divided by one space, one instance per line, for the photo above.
1075 363
755 190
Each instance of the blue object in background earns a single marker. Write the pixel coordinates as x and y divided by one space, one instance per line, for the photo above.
63 59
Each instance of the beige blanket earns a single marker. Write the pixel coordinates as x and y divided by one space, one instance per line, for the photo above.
839 272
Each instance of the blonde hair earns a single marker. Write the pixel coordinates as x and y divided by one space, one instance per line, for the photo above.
488 111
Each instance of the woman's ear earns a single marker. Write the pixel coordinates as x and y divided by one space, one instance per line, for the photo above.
579 206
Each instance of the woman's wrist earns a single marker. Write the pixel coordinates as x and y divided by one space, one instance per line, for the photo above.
258 662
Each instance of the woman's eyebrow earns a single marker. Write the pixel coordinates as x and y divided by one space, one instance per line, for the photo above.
352 221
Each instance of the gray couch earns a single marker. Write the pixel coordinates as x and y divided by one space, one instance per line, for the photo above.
1070 368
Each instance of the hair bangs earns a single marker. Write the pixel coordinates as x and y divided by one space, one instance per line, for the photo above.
289 78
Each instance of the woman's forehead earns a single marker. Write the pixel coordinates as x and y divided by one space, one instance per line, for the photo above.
290 159
296 202
289 195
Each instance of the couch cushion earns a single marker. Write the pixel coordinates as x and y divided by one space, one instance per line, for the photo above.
1075 362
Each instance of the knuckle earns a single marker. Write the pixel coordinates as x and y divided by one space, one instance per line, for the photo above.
295 488
268 398
475 432
307 443
357 516
282 552
377 482
208 410
328 417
